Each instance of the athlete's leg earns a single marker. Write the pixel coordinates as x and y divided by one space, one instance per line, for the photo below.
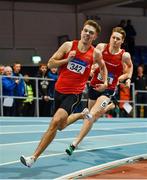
49 135
96 111
87 124
47 138
91 103
73 118
109 107
76 116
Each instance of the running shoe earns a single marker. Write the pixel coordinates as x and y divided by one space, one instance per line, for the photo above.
27 161
70 150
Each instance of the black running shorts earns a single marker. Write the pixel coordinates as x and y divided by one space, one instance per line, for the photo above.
67 101
93 94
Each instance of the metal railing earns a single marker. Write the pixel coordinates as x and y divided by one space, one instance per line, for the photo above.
37 98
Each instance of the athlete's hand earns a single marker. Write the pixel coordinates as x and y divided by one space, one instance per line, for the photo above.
71 55
120 79
93 69
128 83
100 87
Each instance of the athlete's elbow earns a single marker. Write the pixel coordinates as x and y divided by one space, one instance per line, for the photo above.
50 64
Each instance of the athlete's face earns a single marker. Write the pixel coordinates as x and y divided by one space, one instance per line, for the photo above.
116 40
88 34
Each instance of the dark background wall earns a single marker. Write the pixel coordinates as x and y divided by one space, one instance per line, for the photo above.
33 28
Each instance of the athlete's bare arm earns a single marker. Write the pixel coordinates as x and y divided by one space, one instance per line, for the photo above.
99 60
127 68
57 59
93 69
101 46
126 59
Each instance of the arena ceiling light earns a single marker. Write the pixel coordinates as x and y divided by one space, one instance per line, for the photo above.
36 59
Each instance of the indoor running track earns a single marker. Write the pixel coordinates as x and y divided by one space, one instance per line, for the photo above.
109 140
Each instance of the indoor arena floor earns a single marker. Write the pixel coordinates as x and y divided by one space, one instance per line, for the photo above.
109 140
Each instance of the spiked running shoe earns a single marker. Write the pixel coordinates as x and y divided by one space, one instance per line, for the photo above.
70 150
27 161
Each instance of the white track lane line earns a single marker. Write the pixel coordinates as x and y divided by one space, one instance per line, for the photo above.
64 139
58 154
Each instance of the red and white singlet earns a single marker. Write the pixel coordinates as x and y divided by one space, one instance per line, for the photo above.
114 66
74 75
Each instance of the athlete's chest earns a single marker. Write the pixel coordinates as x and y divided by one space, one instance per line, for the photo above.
112 60
81 62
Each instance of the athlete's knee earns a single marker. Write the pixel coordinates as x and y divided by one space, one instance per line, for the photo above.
61 124
87 115
96 115
112 105
55 123
91 117
61 127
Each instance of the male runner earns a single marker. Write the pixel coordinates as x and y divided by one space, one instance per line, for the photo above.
120 68
75 59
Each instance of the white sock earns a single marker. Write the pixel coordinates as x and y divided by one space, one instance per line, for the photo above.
74 143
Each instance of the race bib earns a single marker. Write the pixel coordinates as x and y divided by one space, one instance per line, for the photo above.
105 103
76 66
110 78
99 77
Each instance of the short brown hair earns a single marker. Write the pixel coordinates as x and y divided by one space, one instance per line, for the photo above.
94 24
120 30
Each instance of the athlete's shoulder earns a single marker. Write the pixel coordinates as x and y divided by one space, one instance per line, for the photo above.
68 43
97 54
66 46
101 46
126 55
97 51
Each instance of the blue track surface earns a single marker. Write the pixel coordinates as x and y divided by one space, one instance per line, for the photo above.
109 140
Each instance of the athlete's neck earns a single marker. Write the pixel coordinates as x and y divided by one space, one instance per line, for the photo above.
83 47
113 50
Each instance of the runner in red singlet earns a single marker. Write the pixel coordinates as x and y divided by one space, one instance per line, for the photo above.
75 59
120 68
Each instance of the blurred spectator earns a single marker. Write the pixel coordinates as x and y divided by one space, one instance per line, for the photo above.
28 107
122 23
2 67
8 86
1 73
43 84
130 37
52 74
140 81
19 89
